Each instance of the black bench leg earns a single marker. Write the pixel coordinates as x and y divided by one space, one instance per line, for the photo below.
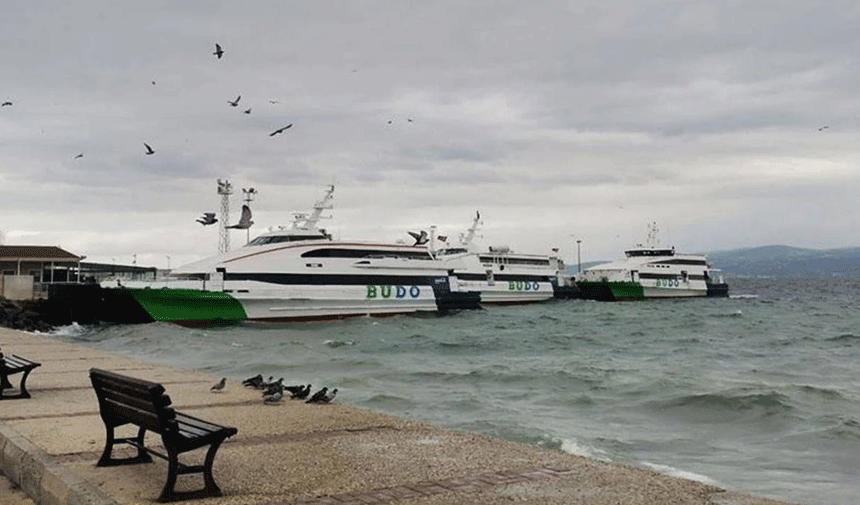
107 460
211 488
23 388
167 493
174 469
4 382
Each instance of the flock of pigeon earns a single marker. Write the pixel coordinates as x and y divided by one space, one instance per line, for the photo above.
274 390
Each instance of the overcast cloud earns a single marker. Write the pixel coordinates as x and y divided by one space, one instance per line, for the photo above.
558 121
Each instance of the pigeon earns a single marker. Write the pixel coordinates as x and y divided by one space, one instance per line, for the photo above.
81 155
235 103
275 387
294 389
255 381
218 51
301 395
6 104
318 396
206 219
275 398
281 130
149 150
247 111
420 238
219 386
244 221
329 397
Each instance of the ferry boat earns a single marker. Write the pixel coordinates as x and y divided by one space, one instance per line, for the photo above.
651 270
292 273
498 274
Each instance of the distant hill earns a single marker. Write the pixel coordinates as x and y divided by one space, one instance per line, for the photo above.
779 261
787 261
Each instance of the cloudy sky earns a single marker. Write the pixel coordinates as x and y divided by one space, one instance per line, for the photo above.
557 120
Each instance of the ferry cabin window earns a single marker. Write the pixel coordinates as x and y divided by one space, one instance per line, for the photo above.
514 261
650 252
284 238
334 252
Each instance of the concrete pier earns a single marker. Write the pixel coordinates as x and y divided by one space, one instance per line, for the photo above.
291 452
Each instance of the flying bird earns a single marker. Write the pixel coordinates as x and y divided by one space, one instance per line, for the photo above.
6 104
235 103
153 83
823 128
318 396
247 111
149 150
420 238
206 219
219 386
81 155
244 220
274 101
218 51
281 130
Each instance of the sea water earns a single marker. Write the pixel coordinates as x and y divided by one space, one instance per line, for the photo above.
759 392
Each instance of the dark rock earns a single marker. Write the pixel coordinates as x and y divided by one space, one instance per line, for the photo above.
13 315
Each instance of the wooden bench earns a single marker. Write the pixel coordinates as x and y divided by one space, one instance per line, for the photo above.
127 400
10 365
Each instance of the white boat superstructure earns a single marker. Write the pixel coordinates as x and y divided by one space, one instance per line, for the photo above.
299 272
499 274
650 270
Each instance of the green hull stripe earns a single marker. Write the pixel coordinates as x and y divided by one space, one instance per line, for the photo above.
188 305
627 290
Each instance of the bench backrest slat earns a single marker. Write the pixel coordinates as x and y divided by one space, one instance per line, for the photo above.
132 399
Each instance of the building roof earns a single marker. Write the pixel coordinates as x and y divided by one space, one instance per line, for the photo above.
36 253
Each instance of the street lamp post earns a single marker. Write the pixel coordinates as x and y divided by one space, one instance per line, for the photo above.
578 256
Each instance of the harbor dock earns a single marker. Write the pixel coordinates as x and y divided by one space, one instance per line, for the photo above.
290 452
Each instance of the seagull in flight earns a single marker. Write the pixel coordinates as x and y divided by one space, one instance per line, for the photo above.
281 130
247 111
81 155
149 150
274 102
235 103
822 128
206 219
218 51
6 104
420 238
244 221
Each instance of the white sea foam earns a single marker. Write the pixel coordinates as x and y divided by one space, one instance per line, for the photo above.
743 296
573 446
69 330
684 474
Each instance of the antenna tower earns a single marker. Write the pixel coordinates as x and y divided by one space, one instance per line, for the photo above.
225 189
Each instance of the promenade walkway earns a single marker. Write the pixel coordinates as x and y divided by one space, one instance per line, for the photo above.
292 452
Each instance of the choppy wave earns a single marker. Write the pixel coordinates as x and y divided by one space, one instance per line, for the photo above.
684 474
713 405
732 386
